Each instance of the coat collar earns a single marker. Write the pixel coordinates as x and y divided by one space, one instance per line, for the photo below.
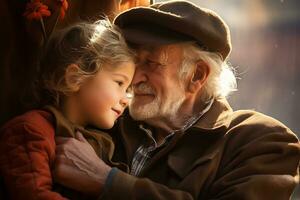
63 127
217 117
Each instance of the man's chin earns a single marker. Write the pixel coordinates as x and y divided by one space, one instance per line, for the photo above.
143 112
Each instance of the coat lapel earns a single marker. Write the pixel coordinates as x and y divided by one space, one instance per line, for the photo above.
201 148
162 153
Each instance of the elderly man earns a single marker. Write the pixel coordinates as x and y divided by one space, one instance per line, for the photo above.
182 140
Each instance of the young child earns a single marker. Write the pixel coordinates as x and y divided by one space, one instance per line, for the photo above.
85 75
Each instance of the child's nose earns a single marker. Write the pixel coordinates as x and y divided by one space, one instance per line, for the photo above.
124 102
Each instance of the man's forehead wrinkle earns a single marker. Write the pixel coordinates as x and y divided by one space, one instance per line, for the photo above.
167 54
163 56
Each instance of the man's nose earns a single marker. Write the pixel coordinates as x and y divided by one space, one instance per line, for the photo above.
139 76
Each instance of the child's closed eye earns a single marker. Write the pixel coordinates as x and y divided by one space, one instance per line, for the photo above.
120 83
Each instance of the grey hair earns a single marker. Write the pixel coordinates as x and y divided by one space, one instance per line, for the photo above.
88 45
221 80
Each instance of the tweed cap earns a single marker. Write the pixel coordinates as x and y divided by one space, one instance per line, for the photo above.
173 22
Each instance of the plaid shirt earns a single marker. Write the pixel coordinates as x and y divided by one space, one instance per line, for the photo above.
150 146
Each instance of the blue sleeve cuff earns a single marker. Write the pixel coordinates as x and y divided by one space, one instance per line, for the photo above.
108 181
110 176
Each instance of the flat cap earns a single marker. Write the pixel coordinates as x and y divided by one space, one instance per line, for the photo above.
173 22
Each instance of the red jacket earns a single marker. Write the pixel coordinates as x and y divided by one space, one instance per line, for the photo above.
27 153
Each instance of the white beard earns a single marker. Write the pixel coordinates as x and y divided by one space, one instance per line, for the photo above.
157 108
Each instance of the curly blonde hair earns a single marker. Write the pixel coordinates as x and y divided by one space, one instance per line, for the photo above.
89 46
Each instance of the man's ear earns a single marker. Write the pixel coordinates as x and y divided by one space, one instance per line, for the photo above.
71 77
199 76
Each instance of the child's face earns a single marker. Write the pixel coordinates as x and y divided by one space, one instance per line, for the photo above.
103 97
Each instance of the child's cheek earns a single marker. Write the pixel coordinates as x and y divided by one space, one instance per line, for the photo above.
104 100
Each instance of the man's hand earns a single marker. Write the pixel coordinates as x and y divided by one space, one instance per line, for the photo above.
77 165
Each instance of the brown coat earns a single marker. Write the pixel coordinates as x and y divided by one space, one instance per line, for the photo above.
225 155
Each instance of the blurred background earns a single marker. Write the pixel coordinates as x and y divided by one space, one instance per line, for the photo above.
266 56
265 38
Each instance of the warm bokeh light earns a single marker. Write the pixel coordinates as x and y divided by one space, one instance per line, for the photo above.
126 4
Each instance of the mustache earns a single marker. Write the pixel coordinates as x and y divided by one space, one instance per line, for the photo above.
143 88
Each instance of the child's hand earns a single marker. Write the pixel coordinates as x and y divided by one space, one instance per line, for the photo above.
77 165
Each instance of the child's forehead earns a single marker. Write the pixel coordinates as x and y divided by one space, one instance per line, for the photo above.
119 65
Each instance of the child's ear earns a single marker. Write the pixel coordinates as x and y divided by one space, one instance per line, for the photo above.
71 77
199 76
